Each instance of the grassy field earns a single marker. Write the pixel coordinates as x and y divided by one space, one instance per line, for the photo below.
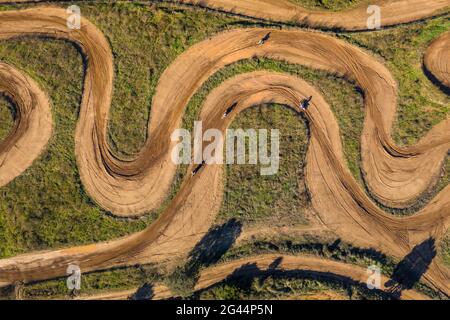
445 249
6 123
46 207
335 250
6 116
115 279
281 197
331 5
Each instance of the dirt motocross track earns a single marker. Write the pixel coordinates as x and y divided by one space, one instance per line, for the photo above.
396 176
259 265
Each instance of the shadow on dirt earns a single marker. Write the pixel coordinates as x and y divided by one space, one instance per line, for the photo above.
143 293
435 80
409 271
214 244
207 251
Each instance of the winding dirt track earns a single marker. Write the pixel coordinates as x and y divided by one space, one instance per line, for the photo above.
264 264
396 176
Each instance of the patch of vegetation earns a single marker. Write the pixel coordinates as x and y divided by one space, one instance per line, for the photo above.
6 117
336 250
445 249
226 291
333 5
182 281
288 287
109 280
281 196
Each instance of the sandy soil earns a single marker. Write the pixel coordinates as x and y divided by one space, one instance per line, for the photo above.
396 175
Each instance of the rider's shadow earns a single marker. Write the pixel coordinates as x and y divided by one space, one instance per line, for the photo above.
409 271
215 243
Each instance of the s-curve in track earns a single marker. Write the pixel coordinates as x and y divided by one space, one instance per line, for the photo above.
396 176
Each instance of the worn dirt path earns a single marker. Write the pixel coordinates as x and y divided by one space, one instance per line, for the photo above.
250 266
266 264
395 175
392 12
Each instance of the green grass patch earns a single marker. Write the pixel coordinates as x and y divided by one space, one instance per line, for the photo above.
281 196
91 283
445 249
337 250
6 117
